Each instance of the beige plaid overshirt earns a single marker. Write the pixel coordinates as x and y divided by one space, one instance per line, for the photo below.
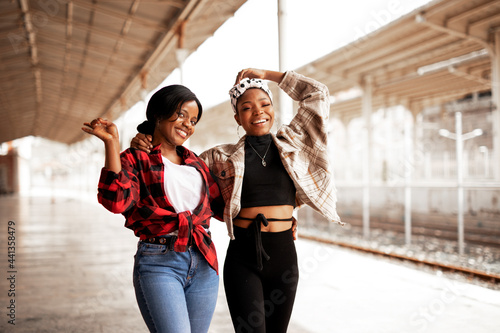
303 150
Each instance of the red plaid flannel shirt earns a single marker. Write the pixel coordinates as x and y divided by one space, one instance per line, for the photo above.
137 193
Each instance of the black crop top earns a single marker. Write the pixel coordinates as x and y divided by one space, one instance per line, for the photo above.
265 186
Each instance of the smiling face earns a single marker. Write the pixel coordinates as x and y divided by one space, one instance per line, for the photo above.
255 112
175 130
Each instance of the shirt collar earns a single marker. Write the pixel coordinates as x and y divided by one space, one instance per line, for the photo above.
181 150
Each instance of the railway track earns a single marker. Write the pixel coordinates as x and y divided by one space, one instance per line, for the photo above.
485 233
471 273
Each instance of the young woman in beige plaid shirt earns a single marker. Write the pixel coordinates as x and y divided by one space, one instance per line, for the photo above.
263 178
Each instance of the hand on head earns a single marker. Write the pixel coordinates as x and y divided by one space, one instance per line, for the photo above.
101 128
250 73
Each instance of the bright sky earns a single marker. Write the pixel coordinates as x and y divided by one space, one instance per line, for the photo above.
250 39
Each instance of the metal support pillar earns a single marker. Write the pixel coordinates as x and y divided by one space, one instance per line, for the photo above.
285 102
495 92
181 53
367 151
408 174
460 181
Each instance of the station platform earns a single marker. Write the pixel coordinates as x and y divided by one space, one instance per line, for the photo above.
70 270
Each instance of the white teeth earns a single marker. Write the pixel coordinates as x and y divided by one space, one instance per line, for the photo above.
260 121
182 133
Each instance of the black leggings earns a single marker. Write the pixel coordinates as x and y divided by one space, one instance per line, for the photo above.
261 300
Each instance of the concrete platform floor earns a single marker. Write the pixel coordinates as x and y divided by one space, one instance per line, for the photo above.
72 272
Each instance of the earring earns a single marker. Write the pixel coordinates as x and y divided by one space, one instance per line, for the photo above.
238 131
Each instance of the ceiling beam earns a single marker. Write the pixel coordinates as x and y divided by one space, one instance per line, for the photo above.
422 19
484 21
113 13
174 3
404 53
166 44
31 34
76 46
468 13
100 31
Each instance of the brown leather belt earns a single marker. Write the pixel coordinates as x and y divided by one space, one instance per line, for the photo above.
162 240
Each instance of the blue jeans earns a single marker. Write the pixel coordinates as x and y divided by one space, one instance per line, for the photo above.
176 291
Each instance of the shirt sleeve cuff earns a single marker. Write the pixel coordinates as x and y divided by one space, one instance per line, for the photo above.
109 177
288 81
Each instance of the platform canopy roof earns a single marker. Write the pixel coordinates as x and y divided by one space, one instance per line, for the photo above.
440 52
64 62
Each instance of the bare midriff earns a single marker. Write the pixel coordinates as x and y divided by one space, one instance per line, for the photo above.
270 212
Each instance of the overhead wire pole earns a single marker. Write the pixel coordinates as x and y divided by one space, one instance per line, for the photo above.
460 138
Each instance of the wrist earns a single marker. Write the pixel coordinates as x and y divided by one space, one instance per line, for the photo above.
111 143
274 76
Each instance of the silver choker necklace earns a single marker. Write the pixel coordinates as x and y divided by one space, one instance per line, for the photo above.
261 157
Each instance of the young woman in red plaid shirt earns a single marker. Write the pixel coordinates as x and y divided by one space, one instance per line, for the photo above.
167 197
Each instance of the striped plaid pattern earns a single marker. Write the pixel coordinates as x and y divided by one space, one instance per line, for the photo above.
137 192
303 149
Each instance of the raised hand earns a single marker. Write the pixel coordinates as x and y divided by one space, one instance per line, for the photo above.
253 73
108 133
101 128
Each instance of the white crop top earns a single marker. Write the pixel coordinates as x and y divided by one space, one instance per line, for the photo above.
183 186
